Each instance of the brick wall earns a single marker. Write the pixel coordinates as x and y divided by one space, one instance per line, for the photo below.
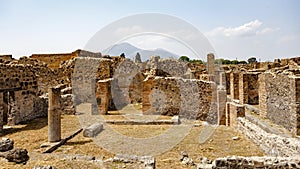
248 88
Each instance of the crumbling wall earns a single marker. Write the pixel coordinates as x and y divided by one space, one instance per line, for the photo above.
254 162
280 99
54 60
271 144
45 76
135 88
176 96
86 73
19 88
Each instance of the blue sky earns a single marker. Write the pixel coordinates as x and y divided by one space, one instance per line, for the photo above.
266 29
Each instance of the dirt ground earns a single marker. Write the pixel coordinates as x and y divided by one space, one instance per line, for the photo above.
32 134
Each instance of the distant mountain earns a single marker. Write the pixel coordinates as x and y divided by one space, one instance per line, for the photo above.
130 51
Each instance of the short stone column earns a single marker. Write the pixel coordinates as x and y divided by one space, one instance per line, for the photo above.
54 121
1 113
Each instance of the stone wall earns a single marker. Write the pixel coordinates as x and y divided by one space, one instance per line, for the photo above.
252 162
19 88
271 144
233 111
279 99
234 86
46 77
86 73
227 81
54 60
189 98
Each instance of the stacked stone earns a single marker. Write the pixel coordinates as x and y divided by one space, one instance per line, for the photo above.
272 144
256 162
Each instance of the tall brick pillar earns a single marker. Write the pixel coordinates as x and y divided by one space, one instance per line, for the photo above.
297 86
211 63
234 86
222 97
102 95
1 113
54 121
263 106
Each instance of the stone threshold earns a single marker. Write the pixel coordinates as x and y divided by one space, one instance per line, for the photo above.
173 121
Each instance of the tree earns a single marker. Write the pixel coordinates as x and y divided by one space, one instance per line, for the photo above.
234 62
252 60
197 61
184 58
242 62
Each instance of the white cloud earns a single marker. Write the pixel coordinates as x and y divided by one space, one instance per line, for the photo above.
248 29
125 31
266 31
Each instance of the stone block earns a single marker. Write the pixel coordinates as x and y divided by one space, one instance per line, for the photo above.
6 144
93 130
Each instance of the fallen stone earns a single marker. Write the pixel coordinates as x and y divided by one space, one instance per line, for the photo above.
236 138
204 166
18 155
83 157
148 161
175 119
44 167
184 154
187 161
204 160
93 130
6 144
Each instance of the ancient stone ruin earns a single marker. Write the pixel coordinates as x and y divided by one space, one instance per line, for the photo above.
243 97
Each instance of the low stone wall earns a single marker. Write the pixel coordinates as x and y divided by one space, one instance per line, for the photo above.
271 144
254 162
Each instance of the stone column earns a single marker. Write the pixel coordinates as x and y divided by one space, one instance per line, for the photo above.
54 121
222 98
211 63
297 113
263 95
1 113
